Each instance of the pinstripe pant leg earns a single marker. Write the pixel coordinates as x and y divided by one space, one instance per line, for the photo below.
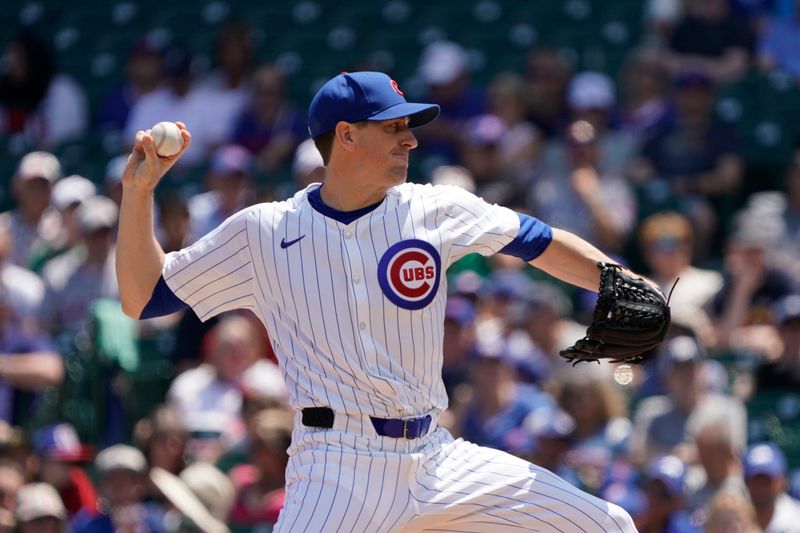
465 487
333 489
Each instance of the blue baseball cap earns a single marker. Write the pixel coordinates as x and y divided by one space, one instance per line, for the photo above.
357 96
764 458
669 470
460 310
61 443
628 496
682 349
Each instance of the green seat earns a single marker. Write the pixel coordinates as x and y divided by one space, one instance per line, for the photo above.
775 417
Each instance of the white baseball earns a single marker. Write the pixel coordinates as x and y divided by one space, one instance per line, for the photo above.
167 138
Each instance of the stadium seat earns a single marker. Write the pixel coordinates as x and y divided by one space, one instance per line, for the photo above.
775 416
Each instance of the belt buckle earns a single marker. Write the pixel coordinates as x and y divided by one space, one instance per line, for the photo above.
405 429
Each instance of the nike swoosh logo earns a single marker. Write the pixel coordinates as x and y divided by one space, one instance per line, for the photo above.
286 244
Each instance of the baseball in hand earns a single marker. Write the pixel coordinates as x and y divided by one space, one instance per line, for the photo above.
167 138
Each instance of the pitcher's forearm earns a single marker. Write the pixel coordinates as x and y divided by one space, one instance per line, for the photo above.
571 259
139 256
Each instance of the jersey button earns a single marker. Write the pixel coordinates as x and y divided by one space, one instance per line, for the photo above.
356 279
348 234
362 326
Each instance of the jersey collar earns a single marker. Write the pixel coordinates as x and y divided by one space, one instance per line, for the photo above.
345 217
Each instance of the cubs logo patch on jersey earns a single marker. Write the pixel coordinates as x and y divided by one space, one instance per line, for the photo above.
409 273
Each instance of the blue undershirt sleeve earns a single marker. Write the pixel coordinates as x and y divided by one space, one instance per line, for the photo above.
162 302
533 238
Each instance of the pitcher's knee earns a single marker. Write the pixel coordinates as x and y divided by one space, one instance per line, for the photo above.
621 518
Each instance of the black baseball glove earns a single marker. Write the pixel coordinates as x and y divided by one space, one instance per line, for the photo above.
630 318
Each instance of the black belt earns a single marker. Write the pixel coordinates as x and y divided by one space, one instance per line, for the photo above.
412 428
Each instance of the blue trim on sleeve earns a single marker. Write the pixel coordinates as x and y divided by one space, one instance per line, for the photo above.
533 238
162 302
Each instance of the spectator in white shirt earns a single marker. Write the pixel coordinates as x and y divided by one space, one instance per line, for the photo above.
209 397
200 108
765 475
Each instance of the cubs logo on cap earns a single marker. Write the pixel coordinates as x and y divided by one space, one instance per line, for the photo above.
409 273
356 96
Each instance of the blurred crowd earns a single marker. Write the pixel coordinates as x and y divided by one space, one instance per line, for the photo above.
705 435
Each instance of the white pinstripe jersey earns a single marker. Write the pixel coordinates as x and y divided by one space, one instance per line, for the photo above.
355 311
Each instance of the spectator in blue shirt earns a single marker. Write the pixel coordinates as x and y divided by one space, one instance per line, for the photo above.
496 414
28 365
664 492
144 71
122 470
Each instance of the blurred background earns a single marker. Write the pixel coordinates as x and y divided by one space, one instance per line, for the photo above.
666 132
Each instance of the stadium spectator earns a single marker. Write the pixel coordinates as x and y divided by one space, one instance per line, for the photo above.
788 207
552 431
33 219
592 97
260 486
231 78
645 106
67 195
269 126
76 279
777 44
765 474
664 492
547 73
457 341
59 463
121 470
307 166
752 284
666 240
444 70
144 71
209 397
585 197
12 478
694 163
29 364
503 287
602 429
481 152
521 144
229 189
711 39
201 496
719 456
660 19
628 496
729 512
542 317
24 288
112 178
669 424
174 228
40 510
38 103
162 438
253 402
783 372
454 175
203 110
499 404
14 447
212 487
